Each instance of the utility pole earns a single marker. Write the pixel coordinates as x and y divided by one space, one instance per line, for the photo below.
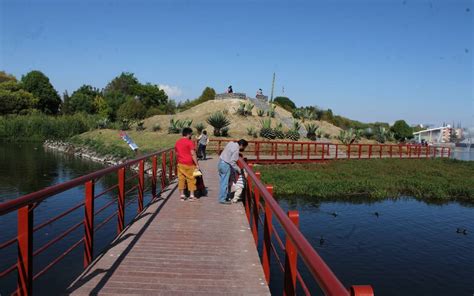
273 86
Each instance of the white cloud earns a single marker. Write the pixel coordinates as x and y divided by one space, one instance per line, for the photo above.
171 91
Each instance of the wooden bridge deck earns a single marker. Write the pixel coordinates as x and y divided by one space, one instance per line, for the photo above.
180 248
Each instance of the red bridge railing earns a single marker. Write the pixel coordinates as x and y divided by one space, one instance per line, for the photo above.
292 152
26 205
262 210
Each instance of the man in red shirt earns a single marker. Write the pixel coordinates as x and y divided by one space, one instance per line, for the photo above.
187 163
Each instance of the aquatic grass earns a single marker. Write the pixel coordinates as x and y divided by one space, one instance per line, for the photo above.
438 179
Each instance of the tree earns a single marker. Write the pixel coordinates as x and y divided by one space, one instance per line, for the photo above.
13 99
285 103
131 110
4 77
125 84
39 86
82 100
207 94
13 102
402 130
150 95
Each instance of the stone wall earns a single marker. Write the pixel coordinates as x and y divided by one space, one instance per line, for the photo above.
240 96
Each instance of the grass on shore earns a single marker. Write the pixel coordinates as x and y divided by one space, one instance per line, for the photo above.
108 142
439 179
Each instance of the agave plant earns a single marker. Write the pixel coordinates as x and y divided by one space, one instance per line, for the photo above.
218 121
250 130
248 109
311 129
156 127
349 136
177 125
382 135
271 111
306 114
279 134
200 127
225 131
260 112
267 131
241 110
294 133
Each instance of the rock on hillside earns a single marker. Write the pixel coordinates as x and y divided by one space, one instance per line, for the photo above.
239 124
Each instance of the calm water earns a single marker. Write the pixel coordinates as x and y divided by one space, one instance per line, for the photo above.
411 248
27 167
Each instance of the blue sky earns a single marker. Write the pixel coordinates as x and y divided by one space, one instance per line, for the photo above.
379 60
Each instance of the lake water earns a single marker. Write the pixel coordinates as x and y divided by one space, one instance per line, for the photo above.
411 248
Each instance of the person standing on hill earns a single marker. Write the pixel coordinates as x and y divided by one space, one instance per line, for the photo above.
228 165
187 163
203 140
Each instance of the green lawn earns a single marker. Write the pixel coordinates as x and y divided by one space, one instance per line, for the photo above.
439 179
107 141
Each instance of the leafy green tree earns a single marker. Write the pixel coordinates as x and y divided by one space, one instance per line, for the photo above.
82 100
131 110
14 102
125 84
4 77
101 107
285 103
208 94
402 130
39 85
150 95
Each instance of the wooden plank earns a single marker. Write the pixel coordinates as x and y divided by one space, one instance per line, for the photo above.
175 247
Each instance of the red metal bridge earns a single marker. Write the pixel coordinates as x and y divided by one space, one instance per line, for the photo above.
174 247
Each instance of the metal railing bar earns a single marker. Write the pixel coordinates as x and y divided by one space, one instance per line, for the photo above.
106 191
44 193
326 279
58 238
52 263
8 270
8 243
57 217
104 207
105 221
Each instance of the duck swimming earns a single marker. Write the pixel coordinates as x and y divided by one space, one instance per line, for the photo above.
321 240
334 214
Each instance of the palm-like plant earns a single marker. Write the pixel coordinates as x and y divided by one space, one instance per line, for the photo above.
267 131
218 121
306 114
241 110
260 112
294 133
200 127
311 129
279 131
248 109
271 111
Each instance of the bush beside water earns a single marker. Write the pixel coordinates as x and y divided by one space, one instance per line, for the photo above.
39 127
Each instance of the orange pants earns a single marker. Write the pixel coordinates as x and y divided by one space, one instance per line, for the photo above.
185 176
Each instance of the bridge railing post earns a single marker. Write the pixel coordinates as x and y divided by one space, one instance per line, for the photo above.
25 251
163 171
291 257
256 208
141 185
267 238
360 150
154 168
171 165
121 201
337 150
89 223
348 151
248 198
322 152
